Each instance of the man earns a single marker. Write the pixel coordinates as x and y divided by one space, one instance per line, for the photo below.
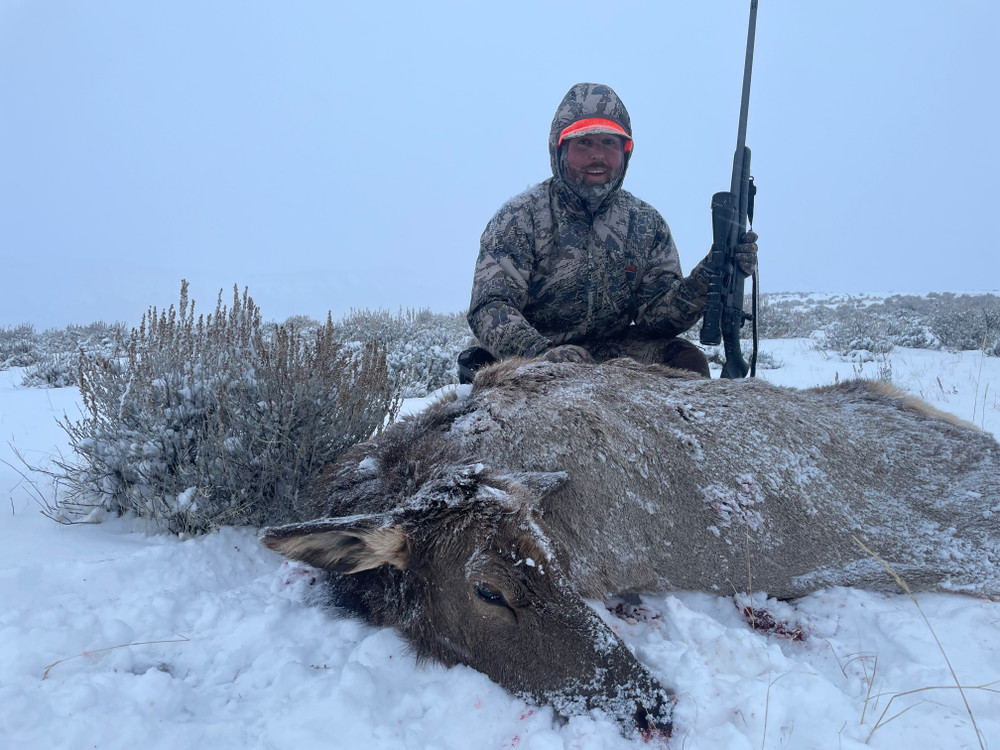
577 269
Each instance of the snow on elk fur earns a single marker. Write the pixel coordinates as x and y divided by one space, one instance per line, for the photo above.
478 526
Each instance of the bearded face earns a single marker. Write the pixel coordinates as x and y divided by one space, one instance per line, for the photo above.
595 159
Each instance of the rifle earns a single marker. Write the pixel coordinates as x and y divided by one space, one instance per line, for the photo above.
724 314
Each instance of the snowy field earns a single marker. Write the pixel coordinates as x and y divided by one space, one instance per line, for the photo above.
113 638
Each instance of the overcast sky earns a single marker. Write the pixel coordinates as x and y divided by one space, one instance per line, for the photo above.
332 156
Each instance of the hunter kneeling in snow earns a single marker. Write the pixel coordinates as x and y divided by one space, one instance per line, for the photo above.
575 269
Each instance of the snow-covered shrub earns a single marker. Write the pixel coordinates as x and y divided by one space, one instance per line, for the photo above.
422 346
18 346
59 349
858 329
958 322
787 319
427 358
303 323
52 371
97 338
200 423
967 322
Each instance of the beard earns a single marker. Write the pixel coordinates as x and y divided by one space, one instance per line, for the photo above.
593 196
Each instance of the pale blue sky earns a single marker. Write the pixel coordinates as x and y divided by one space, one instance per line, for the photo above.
334 157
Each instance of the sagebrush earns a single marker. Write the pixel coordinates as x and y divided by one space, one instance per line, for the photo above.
18 346
202 422
422 346
956 322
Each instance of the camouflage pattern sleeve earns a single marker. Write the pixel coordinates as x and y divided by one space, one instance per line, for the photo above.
669 303
500 286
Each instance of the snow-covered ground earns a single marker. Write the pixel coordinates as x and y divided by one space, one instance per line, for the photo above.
113 638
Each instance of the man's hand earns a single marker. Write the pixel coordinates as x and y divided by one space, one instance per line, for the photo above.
746 252
568 353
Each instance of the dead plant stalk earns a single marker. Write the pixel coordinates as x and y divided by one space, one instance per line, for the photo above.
951 669
178 639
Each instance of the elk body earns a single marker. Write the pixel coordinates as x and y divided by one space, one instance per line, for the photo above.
478 526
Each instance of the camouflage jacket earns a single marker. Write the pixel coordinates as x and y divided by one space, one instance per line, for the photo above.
563 262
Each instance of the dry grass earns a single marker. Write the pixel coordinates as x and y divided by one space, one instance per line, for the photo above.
95 652
882 720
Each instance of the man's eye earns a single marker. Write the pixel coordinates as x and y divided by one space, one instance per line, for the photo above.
490 595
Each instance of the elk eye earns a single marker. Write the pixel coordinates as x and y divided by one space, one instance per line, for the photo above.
490 596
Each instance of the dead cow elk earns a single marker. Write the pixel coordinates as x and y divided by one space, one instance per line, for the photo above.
478 527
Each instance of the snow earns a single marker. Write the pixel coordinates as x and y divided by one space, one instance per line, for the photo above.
114 638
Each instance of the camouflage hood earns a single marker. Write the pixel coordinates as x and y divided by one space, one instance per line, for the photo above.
582 101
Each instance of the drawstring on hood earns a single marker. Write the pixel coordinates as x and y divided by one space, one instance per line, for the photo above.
588 102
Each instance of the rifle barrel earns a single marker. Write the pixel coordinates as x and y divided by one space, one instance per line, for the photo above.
741 137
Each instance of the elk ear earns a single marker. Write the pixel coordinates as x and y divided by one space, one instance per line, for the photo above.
343 545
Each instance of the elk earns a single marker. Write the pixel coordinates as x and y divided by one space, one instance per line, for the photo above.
478 527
